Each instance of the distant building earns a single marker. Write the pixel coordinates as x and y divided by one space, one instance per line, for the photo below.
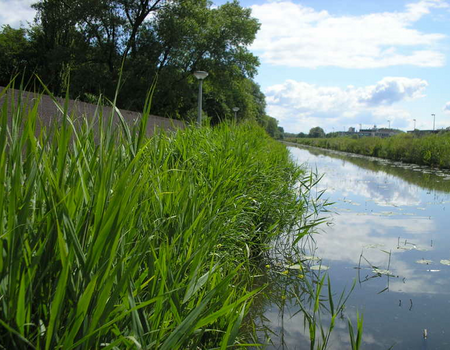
378 132
367 132
374 132
351 131
387 132
422 132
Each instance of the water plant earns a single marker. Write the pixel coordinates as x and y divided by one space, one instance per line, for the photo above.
110 239
432 150
307 304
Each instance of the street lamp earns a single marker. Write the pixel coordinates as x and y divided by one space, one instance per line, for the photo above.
414 124
200 75
235 110
389 123
434 119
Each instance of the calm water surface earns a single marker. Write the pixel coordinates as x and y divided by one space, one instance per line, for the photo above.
386 215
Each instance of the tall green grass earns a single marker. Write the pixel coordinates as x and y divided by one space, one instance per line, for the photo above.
111 240
432 150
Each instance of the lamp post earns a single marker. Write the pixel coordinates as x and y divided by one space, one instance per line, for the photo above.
434 119
235 110
414 124
389 123
200 75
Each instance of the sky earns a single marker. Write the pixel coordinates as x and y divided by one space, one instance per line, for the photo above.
343 63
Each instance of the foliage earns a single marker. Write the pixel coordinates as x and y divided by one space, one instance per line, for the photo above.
14 51
111 240
316 132
432 150
423 179
332 134
271 126
148 40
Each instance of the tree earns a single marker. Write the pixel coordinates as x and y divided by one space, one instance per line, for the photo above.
272 128
332 134
280 132
15 51
94 41
316 132
189 35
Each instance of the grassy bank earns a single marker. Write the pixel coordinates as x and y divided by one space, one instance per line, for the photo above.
111 240
430 181
432 150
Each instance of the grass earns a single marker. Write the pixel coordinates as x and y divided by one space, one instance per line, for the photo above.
111 240
432 150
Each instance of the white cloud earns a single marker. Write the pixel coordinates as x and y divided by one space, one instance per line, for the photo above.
447 108
297 36
391 90
300 105
351 233
16 12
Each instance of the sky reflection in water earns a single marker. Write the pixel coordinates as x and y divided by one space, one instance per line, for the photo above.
380 208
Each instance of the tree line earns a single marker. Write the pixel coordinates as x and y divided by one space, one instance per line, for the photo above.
89 43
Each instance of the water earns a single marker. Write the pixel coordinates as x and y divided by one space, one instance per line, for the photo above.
389 216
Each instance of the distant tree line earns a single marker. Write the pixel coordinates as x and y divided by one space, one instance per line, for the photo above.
88 42
316 132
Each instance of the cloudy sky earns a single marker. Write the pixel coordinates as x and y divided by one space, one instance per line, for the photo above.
342 63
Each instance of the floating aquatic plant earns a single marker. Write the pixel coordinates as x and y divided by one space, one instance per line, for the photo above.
319 267
383 272
424 261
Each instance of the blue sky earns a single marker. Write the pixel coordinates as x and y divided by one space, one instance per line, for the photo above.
342 63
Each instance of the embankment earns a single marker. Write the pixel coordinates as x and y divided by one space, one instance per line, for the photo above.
431 150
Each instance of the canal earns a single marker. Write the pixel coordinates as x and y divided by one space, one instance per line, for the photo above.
388 232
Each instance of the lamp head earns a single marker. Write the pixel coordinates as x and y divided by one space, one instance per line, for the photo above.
200 75
235 109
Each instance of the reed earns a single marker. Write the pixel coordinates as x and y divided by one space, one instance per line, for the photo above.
432 150
112 240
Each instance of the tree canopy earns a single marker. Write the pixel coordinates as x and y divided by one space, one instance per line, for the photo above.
316 132
91 41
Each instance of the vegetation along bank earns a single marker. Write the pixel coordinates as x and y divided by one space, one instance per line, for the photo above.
432 150
112 240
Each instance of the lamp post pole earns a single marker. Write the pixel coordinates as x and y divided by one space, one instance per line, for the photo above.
235 110
389 123
414 124
434 120
200 75
200 103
